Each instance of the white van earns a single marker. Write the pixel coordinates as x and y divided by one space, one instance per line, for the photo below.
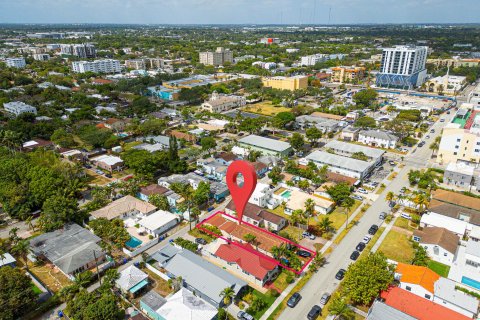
406 216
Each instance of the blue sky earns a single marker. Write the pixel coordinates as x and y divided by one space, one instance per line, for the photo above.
239 11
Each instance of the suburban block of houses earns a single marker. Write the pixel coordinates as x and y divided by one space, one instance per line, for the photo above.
258 216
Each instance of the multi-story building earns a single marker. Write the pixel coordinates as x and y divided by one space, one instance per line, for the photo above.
97 66
270 40
347 74
85 50
474 96
286 83
455 62
266 146
446 84
403 67
313 59
137 64
219 103
41 56
217 57
17 108
156 63
378 138
16 62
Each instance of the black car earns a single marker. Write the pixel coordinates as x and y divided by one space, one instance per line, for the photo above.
108 175
314 312
303 253
354 256
373 229
201 241
360 246
294 299
340 274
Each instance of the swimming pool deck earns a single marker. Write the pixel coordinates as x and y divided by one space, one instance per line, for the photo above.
133 232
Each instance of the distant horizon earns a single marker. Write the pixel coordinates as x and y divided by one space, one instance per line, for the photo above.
240 12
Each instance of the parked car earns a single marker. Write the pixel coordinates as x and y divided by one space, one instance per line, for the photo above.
324 299
382 215
306 234
354 256
340 274
392 163
357 197
294 299
360 246
432 131
442 120
366 239
361 190
314 313
303 253
373 229
427 136
201 241
108 175
242 315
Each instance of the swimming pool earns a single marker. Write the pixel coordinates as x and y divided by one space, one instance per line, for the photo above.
133 242
470 282
286 194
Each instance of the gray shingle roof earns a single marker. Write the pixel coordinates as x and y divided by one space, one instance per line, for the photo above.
68 248
265 143
202 275
165 253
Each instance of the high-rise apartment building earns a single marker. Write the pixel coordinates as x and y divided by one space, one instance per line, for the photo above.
16 62
403 67
85 50
217 57
97 66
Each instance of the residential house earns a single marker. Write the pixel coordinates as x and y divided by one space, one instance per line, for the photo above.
159 222
263 196
124 208
164 254
183 136
417 307
418 280
456 205
459 174
202 278
132 280
378 138
164 141
260 168
350 150
220 103
446 294
108 162
466 267
117 125
295 200
37 143
323 124
440 243
382 311
173 198
242 260
350 133
259 217
72 249
7 259
181 305
226 158
432 219
214 169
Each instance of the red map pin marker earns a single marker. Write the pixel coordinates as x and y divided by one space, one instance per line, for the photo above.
241 194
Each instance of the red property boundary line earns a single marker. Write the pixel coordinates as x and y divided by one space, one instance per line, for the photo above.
270 234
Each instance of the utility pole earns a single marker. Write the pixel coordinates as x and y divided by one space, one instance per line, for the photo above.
96 264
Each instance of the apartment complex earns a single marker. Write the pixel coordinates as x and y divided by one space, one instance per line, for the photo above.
286 83
461 138
137 64
85 50
403 67
347 74
17 108
16 62
455 62
217 57
313 59
97 66
219 103
41 56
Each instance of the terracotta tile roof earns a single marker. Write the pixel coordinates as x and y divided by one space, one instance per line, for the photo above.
101 81
153 189
418 307
456 199
417 275
256 264
339 178
438 236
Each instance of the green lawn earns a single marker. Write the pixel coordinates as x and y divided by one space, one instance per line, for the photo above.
280 211
396 246
281 281
36 290
440 268
265 297
293 232
198 234
338 216
405 224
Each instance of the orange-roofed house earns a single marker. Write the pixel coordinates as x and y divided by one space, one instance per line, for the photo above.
417 280
240 259
417 307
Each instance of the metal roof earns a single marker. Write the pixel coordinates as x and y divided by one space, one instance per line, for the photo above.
202 275
353 148
338 161
265 143
381 311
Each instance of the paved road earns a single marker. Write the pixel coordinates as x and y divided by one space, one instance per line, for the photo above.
324 280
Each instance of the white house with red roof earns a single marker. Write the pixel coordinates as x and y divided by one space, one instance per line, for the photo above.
243 260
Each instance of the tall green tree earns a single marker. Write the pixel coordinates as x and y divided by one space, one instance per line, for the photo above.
313 134
16 295
297 141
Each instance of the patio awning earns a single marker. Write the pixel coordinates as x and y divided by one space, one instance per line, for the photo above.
138 286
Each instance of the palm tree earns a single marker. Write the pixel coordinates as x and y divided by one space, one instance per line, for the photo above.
22 248
186 191
279 252
347 204
83 279
325 224
227 294
421 201
309 208
390 197
249 238
340 308
29 223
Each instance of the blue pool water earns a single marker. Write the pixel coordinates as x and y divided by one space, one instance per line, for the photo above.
286 194
133 242
471 282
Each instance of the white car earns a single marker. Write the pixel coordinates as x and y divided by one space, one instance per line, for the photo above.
366 239
361 190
